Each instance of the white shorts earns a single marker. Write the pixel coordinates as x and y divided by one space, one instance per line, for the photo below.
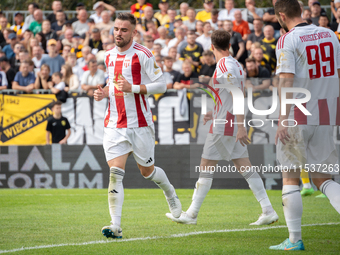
221 147
140 141
311 145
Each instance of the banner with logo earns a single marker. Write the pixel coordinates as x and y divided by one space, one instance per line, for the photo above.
23 118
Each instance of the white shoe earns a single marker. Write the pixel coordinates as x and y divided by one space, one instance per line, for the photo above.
112 231
175 206
266 219
184 218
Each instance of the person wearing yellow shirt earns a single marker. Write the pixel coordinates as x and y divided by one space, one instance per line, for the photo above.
18 24
162 15
205 15
183 7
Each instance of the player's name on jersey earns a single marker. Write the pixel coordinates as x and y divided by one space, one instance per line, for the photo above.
314 37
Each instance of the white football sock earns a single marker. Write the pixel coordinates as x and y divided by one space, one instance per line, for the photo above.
332 190
202 188
256 185
159 177
116 194
292 208
307 185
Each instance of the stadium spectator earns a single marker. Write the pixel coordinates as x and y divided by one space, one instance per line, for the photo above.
29 18
10 72
35 26
100 7
4 37
268 45
106 42
162 36
58 87
76 69
241 26
38 54
57 125
15 61
214 19
148 41
71 80
85 52
43 79
23 56
191 21
77 46
192 52
27 37
54 60
205 15
307 14
335 25
92 78
205 38
184 80
270 19
8 49
68 35
236 41
316 12
95 41
24 80
58 25
42 41
170 24
183 8
177 63
208 68
4 23
156 49
257 35
81 27
66 50
323 20
260 60
178 40
162 15
138 8
168 63
79 7
148 16
56 6
18 24
3 80
152 30
199 28
46 30
106 24
251 13
258 77
229 12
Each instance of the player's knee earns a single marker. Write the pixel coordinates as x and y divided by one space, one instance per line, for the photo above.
318 181
146 171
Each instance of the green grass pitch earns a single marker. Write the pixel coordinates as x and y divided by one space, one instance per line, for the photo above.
47 218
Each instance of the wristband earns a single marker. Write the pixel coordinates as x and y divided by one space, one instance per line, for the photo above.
135 89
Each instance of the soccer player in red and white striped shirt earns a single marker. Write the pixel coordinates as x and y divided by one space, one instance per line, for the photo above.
133 74
308 57
227 138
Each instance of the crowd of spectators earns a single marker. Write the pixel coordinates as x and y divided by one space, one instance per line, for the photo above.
60 53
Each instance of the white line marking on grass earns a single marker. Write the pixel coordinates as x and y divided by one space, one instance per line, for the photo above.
161 237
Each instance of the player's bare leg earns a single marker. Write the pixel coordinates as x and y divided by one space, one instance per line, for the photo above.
158 176
115 196
201 190
255 183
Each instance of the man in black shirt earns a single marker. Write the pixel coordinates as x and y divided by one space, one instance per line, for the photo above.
208 68
192 52
57 126
258 77
270 19
257 35
184 80
10 72
168 62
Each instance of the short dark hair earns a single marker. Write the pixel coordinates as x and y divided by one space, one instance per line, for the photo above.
92 61
192 8
56 103
35 5
214 12
4 59
220 39
127 16
206 23
168 58
250 60
58 74
291 8
208 53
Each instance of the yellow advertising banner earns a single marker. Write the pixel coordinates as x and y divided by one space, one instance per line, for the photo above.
23 118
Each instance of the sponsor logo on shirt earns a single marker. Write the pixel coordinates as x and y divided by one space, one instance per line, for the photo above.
157 71
126 63
120 59
155 65
54 123
63 123
111 63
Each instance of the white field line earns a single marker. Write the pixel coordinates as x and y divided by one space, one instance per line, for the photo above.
159 237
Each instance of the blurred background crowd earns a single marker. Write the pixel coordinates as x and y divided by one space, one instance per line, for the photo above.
53 51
